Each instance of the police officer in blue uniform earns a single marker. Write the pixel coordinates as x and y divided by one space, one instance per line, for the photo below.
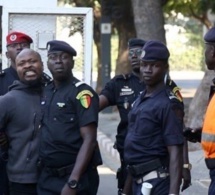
154 142
121 91
68 151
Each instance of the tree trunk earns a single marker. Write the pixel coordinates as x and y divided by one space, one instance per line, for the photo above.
198 105
149 19
126 30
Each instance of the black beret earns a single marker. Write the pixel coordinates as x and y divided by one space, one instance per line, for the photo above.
210 36
134 42
56 46
154 50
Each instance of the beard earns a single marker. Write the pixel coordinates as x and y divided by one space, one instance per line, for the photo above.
33 83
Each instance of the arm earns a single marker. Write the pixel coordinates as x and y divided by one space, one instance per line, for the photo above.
128 184
185 172
175 167
103 102
88 134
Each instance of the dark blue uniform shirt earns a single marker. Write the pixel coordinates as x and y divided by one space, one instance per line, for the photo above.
155 122
65 112
121 91
8 76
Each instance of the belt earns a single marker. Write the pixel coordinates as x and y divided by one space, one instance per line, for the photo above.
152 175
60 172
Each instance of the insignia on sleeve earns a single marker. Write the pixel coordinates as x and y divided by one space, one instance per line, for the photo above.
85 98
176 91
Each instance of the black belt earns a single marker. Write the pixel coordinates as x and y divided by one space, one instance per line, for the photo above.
59 172
144 168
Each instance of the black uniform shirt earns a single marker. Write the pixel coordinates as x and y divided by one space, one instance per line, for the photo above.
7 77
155 122
121 91
66 110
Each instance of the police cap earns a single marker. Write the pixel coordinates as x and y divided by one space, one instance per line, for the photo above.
18 37
57 46
210 36
135 42
154 51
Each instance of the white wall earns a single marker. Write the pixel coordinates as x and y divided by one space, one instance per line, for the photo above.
28 3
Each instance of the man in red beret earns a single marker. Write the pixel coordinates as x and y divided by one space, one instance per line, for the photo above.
16 42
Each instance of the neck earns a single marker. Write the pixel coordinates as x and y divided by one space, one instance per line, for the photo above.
136 74
150 89
12 64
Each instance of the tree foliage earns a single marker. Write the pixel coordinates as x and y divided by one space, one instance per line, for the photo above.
192 8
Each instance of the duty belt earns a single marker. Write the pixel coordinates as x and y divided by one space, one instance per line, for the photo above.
144 168
152 175
59 172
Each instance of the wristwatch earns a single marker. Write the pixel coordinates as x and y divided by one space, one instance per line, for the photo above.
73 184
187 166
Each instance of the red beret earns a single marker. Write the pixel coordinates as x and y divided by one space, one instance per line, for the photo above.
17 37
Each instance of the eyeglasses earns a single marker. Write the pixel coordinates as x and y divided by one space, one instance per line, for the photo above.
17 45
136 52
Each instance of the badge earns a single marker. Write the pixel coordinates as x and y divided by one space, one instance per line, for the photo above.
85 98
13 37
60 105
126 104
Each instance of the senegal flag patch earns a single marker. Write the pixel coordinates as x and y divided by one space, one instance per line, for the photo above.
177 93
85 98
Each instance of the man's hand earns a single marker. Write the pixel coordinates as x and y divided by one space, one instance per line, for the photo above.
193 135
186 183
68 191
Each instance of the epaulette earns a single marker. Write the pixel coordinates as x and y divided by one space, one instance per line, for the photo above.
2 73
79 83
47 77
122 76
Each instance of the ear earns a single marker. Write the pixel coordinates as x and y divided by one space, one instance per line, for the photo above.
7 55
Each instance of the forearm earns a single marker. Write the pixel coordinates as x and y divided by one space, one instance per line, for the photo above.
83 158
175 168
185 152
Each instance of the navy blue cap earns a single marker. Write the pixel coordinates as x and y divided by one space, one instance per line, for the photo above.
210 36
135 42
154 51
56 46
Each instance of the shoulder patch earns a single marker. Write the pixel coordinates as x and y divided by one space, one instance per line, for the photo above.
177 93
85 98
79 83
171 96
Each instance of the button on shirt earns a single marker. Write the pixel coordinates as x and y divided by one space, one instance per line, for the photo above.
153 125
